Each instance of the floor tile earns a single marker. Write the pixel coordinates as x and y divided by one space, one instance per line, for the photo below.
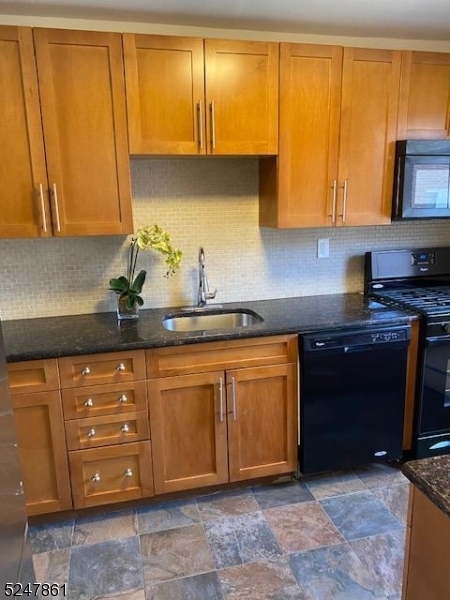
110 526
359 515
334 573
396 498
268 580
167 515
198 587
138 594
223 504
281 494
54 536
383 555
379 475
105 568
175 553
53 566
239 539
302 526
328 485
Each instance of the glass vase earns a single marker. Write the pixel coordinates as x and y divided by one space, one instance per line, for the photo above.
123 312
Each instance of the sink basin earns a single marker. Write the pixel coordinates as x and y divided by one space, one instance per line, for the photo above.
202 319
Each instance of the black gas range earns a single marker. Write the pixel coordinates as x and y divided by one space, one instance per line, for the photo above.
419 281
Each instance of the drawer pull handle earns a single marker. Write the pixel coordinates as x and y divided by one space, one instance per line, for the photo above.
120 367
123 398
125 428
96 477
91 432
129 472
89 403
85 371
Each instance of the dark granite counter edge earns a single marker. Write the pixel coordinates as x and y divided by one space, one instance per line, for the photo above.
54 337
432 477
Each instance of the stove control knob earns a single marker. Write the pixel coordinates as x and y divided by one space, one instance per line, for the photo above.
446 327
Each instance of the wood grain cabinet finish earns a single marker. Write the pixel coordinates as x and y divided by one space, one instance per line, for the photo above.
43 451
111 474
338 120
34 387
424 111
63 91
24 208
214 425
194 96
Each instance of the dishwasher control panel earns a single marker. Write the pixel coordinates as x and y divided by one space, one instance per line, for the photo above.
354 338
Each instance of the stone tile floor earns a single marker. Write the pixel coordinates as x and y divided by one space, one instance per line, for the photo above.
334 536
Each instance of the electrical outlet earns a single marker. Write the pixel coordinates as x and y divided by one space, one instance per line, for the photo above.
323 248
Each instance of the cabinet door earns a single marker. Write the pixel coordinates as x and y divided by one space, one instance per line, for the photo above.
424 96
24 210
241 80
82 93
310 85
369 107
165 94
43 453
262 421
188 431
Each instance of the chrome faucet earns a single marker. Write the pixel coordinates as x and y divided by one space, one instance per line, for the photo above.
204 294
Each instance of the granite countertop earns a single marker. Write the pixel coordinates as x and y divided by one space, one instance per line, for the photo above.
29 339
432 477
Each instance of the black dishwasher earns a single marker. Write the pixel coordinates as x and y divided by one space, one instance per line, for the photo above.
352 397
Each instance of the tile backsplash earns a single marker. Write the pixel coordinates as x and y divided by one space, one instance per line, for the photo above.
209 202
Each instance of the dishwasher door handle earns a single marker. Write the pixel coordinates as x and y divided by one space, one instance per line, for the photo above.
361 348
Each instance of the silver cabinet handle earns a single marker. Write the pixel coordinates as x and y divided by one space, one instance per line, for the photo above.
213 125
89 403
200 124
125 428
344 205
85 371
96 477
91 432
44 218
129 472
55 197
19 491
333 207
120 367
233 397
123 398
221 399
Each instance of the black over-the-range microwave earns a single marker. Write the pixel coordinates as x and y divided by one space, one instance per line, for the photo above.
421 180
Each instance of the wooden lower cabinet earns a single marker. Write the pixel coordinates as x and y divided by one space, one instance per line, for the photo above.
111 474
217 426
427 555
43 452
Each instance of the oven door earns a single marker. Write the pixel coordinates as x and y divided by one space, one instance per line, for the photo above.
433 421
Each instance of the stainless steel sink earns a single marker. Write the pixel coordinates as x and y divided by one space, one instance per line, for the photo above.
199 320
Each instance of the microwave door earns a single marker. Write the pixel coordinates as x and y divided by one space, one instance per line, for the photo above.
425 191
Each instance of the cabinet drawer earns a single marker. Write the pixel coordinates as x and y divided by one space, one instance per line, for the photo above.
92 369
103 431
115 398
181 360
33 376
111 474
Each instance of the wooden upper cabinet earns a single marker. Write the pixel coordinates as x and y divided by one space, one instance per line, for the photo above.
241 82
81 88
24 210
424 111
338 111
194 96
369 109
165 94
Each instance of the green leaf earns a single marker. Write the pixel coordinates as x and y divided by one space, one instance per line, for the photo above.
138 282
119 285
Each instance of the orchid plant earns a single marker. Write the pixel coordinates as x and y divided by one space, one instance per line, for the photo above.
150 237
